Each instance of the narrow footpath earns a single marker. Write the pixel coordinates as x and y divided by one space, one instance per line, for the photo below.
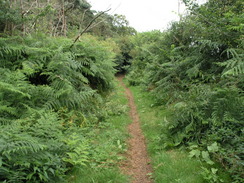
137 164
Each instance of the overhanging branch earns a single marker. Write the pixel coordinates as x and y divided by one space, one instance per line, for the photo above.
87 27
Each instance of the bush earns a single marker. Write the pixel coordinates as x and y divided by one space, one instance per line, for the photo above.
48 91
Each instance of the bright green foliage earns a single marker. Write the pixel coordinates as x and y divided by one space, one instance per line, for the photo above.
196 69
53 95
32 149
65 75
106 143
145 50
47 92
79 154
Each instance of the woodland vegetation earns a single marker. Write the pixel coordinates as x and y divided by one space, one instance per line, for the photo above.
55 91
196 69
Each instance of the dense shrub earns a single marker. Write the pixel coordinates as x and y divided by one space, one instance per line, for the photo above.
47 92
196 69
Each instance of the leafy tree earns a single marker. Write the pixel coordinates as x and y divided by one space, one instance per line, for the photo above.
9 16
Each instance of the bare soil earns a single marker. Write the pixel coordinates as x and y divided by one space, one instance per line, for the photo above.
137 164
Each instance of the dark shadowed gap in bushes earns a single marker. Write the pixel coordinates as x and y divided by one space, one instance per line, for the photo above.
123 55
39 79
123 64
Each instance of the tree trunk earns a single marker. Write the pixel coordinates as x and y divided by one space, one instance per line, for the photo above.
63 28
22 17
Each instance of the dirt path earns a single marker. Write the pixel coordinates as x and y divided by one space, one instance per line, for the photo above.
138 163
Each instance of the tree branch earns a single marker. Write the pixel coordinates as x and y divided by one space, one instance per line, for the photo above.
87 27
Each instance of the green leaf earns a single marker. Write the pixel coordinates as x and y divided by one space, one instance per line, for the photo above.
205 156
214 170
213 148
194 153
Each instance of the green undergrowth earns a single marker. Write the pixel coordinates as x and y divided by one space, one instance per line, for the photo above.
107 140
169 165
52 95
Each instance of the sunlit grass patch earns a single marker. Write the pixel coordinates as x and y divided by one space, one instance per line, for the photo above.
175 166
98 175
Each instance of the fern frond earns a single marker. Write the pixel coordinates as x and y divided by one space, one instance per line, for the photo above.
235 65
10 110
10 88
5 121
22 147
